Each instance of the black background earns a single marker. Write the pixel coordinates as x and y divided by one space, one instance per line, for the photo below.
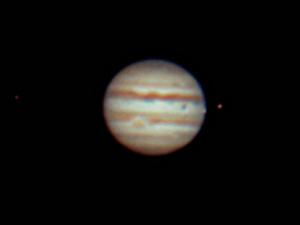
60 68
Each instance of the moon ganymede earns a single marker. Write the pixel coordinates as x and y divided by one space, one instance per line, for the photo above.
154 107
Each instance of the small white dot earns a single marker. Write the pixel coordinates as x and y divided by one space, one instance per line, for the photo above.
220 106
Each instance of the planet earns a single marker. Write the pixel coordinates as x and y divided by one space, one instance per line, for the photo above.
154 107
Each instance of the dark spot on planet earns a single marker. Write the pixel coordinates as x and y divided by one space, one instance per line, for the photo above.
183 106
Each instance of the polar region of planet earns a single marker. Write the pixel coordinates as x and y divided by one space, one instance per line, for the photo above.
154 107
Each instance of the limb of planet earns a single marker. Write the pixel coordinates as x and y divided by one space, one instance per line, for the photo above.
154 107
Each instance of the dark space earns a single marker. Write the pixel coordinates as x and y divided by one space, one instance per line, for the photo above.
58 139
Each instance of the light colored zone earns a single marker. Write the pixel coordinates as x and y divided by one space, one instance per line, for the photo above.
160 107
154 107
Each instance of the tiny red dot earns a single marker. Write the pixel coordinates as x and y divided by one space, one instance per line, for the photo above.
17 97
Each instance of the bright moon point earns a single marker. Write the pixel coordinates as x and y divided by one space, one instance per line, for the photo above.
220 106
154 107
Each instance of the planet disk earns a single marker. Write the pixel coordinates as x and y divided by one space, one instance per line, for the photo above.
154 107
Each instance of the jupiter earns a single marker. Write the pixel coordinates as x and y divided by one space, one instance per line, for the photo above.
154 107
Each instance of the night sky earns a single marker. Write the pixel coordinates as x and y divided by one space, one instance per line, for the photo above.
58 71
